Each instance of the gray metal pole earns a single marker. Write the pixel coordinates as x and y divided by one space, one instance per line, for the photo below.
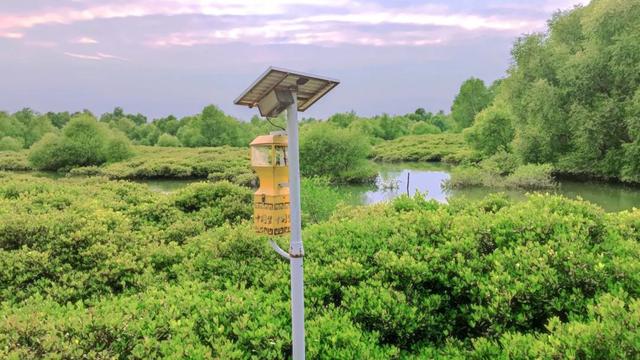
296 250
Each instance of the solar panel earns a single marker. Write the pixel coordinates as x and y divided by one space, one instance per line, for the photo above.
310 88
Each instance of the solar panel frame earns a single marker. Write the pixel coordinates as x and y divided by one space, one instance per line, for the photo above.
307 94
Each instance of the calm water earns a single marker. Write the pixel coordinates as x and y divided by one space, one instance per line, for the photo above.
427 178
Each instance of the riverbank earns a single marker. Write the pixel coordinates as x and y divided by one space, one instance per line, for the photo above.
232 164
428 180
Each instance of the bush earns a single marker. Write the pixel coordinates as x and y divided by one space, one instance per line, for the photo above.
14 161
423 128
167 140
9 143
433 147
468 176
221 163
232 203
117 148
83 142
110 269
491 131
339 154
501 163
319 200
46 154
532 176
488 174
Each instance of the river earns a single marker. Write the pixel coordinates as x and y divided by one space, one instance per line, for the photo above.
428 178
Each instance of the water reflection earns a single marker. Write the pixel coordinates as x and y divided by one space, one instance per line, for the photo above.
428 179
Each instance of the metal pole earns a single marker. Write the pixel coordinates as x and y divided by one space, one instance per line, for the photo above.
296 250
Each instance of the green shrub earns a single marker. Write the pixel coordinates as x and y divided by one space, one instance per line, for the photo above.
319 200
14 160
468 176
9 143
83 142
167 140
433 147
605 334
532 177
117 148
423 128
338 154
46 153
489 174
216 203
110 269
501 163
222 163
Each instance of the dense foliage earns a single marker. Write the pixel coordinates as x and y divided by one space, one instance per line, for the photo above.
449 147
9 143
216 163
83 142
339 154
472 98
573 94
80 143
106 269
211 127
167 140
387 127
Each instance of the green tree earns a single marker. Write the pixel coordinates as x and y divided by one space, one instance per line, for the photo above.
169 124
492 130
343 120
329 151
393 127
10 126
213 128
472 98
146 134
570 91
60 119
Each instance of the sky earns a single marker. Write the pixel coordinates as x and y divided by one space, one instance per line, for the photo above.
161 57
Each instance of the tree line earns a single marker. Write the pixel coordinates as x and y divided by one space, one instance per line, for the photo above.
63 140
211 127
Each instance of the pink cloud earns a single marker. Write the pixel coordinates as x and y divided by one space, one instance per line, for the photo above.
12 35
85 40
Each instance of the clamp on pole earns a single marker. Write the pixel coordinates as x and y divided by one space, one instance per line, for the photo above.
279 250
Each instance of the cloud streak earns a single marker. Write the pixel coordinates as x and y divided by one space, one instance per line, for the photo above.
96 57
83 56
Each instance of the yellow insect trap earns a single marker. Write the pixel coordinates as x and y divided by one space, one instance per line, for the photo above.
271 213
